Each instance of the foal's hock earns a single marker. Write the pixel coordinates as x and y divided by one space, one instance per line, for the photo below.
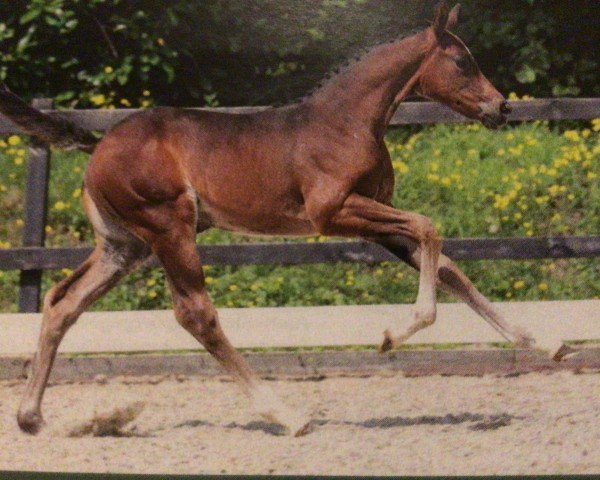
318 166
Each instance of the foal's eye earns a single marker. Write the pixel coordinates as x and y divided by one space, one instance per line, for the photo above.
463 63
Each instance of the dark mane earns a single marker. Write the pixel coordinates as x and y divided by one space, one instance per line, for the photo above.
343 66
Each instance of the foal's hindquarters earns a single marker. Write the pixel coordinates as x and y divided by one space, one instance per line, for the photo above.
137 214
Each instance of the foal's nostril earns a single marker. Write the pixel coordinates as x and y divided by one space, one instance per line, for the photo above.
505 108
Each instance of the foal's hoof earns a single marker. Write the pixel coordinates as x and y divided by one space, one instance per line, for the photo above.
30 422
557 350
564 352
388 342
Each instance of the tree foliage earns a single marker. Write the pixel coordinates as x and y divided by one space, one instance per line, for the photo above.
125 52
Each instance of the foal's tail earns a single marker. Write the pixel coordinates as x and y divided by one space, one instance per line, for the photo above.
54 130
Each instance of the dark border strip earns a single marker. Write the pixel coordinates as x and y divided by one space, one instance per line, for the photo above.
35 258
6 475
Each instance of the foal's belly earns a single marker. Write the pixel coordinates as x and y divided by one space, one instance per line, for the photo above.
251 221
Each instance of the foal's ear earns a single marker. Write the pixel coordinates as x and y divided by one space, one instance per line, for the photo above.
441 18
453 17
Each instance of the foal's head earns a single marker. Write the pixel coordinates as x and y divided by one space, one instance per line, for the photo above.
451 76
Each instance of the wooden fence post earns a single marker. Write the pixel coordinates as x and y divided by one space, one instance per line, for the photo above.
36 203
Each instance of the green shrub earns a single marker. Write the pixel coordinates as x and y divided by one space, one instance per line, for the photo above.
530 180
115 53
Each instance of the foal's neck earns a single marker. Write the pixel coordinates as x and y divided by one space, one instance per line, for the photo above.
364 91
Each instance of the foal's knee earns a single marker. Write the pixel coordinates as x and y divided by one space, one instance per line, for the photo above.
425 230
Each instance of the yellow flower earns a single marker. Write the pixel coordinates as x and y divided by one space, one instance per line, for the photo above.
542 287
501 152
400 166
596 124
554 190
98 99
108 70
14 140
77 193
591 175
146 93
151 282
152 294
60 205
66 272
160 41
519 285
125 102
254 287
572 135
2 144
233 288
446 181
209 280
18 161
19 222
472 152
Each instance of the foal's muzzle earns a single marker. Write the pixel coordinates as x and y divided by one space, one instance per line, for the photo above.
493 114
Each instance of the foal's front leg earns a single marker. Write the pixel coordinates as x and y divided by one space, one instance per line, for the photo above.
453 280
364 217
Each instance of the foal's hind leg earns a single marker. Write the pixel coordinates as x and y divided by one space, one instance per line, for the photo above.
453 280
176 250
63 305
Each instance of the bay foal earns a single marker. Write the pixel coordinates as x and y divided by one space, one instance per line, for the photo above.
316 167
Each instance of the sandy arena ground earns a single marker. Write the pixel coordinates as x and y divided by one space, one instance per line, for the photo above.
530 424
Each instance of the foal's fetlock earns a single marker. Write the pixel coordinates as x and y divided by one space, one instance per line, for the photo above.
523 339
30 421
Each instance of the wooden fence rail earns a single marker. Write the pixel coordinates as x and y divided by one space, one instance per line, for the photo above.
32 258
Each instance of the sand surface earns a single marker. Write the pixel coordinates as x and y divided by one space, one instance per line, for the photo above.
530 424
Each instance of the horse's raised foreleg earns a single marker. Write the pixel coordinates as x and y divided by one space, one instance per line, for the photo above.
63 304
453 280
176 249
364 217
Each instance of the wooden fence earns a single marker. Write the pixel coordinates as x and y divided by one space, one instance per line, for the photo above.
32 259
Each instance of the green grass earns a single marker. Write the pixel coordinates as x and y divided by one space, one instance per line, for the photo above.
530 180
